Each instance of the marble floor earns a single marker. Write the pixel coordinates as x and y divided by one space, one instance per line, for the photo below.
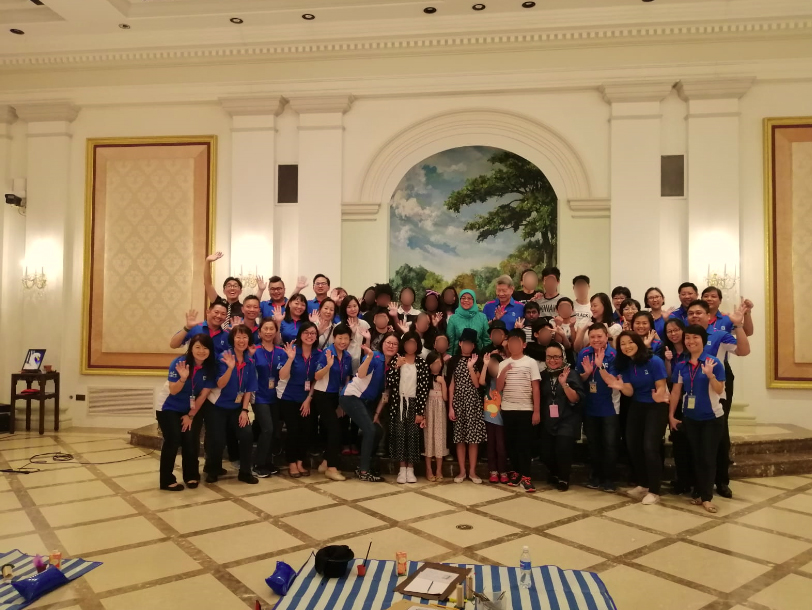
214 546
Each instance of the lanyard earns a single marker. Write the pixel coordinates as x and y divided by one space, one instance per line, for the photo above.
240 370
194 372
594 368
692 374
269 360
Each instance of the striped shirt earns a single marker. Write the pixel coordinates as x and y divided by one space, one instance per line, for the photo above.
517 394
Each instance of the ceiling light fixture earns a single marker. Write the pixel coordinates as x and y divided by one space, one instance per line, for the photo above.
308 16
16 31
38 2
124 26
528 4
478 7
648 0
235 20
429 10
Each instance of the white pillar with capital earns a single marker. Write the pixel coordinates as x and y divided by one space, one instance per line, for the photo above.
321 137
46 231
635 177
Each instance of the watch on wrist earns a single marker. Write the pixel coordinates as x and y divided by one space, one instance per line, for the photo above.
245 410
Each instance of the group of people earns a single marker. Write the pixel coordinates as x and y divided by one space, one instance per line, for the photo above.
525 375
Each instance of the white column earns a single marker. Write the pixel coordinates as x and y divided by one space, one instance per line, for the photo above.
321 135
46 237
635 176
713 176
253 182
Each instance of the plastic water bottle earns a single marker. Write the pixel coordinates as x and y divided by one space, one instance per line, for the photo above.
525 578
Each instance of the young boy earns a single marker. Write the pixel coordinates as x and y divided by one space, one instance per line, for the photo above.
550 278
381 323
519 384
581 308
497 334
531 314
529 291
542 335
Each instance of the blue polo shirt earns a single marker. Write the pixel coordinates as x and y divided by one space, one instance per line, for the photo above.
680 313
720 342
643 376
371 386
707 403
195 382
313 305
301 371
266 308
219 338
605 401
657 348
617 317
267 363
721 322
340 372
243 379
254 334
289 330
513 310
659 326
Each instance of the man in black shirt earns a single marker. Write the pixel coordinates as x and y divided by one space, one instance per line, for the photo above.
530 282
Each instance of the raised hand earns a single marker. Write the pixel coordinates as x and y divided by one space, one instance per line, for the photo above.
252 349
334 294
301 282
649 338
393 310
667 312
437 318
707 368
562 378
626 325
403 327
737 317
538 296
314 317
353 324
486 359
213 257
183 370
661 395
290 349
229 359
559 321
278 316
390 329
499 312
472 361
235 320
328 355
587 364
261 284
191 318
616 383
748 304
366 349
400 361
669 355
366 335
599 355
519 323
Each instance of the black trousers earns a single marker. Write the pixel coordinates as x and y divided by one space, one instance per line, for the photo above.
557 453
519 433
263 419
645 426
170 424
324 406
602 442
298 427
200 419
218 422
623 445
723 455
704 437
683 460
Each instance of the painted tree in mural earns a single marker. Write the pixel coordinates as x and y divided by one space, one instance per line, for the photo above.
530 211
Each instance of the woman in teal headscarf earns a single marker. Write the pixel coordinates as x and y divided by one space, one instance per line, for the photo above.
467 315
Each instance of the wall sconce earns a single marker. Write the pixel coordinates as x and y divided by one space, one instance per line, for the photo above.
36 280
723 281
249 281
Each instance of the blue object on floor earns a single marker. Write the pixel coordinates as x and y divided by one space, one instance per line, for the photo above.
281 579
24 570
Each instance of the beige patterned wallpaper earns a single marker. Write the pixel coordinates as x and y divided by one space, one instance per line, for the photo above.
802 248
148 252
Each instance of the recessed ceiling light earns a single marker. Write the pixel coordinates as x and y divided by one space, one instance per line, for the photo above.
528 4
124 26
429 10
236 20
308 16
478 7
16 31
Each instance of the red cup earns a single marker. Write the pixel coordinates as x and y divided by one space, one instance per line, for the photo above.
362 569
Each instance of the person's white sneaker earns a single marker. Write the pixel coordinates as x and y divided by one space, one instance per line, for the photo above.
402 475
410 478
637 493
651 499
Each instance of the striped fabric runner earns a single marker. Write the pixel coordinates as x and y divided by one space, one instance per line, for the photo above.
24 568
553 588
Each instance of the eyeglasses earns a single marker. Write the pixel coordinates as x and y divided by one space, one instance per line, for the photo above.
309 333
276 288
321 284
554 357
232 285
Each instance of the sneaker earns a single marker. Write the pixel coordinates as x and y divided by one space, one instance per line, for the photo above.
273 469
410 478
650 499
513 479
247 477
593 483
609 487
527 485
402 476
354 451
503 478
563 486
494 478
334 475
346 451
637 493
368 477
262 473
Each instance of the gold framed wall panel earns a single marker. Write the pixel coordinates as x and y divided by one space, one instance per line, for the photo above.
788 226
149 223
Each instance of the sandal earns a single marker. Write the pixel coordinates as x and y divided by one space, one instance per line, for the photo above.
695 501
710 507
192 484
304 473
294 475
459 478
438 478
431 478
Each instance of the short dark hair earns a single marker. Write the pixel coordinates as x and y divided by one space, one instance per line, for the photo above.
411 336
267 319
274 279
376 311
644 314
597 326
712 289
517 333
580 278
629 301
432 357
538 325
645 297
382 289
551 271
687 285
234 279
696 329
701 303
529 270
621 290
564 300
250 297
296 297
342 329
240 328
218 303
318 275
532 305
328 300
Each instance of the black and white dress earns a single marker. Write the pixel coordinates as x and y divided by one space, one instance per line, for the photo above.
469 426
408 392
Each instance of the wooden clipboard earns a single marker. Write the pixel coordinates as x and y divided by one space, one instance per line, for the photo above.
461 573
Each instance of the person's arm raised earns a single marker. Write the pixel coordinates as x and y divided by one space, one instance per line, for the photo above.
208 284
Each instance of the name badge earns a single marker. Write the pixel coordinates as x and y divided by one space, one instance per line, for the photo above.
307 386
553 410
593 387
271 384
239 396
690 401
191 403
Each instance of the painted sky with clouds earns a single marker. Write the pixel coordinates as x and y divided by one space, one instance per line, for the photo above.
423 232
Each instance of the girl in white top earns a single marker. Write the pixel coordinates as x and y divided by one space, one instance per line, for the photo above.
350 310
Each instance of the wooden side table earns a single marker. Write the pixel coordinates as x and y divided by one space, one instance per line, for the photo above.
41 395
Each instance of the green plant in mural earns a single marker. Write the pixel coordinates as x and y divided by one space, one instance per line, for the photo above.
531 210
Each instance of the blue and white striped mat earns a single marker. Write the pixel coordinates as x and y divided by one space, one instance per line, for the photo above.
553 588
24 568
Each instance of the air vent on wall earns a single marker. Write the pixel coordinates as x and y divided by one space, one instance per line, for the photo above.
672 176
287 180
120 401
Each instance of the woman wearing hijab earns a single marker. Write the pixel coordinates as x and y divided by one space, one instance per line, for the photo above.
467 316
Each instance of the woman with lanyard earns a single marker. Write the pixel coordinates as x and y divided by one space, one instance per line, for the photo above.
324 319
674 353
601 308
191 377
562 398
360 397
333 372
237 380
295 380
291 322
703 378
654 300
643 325
232 289
467 316
266 409
641 376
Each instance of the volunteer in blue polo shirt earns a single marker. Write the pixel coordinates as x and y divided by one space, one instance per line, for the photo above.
215 317
602 408
642 376
654 300
191 377
703 379
504 307
266 409
643 325
237 380
363 397
295 381
251 312
276 302
321 286
688 293
674 352
619 295
295 315
333 371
